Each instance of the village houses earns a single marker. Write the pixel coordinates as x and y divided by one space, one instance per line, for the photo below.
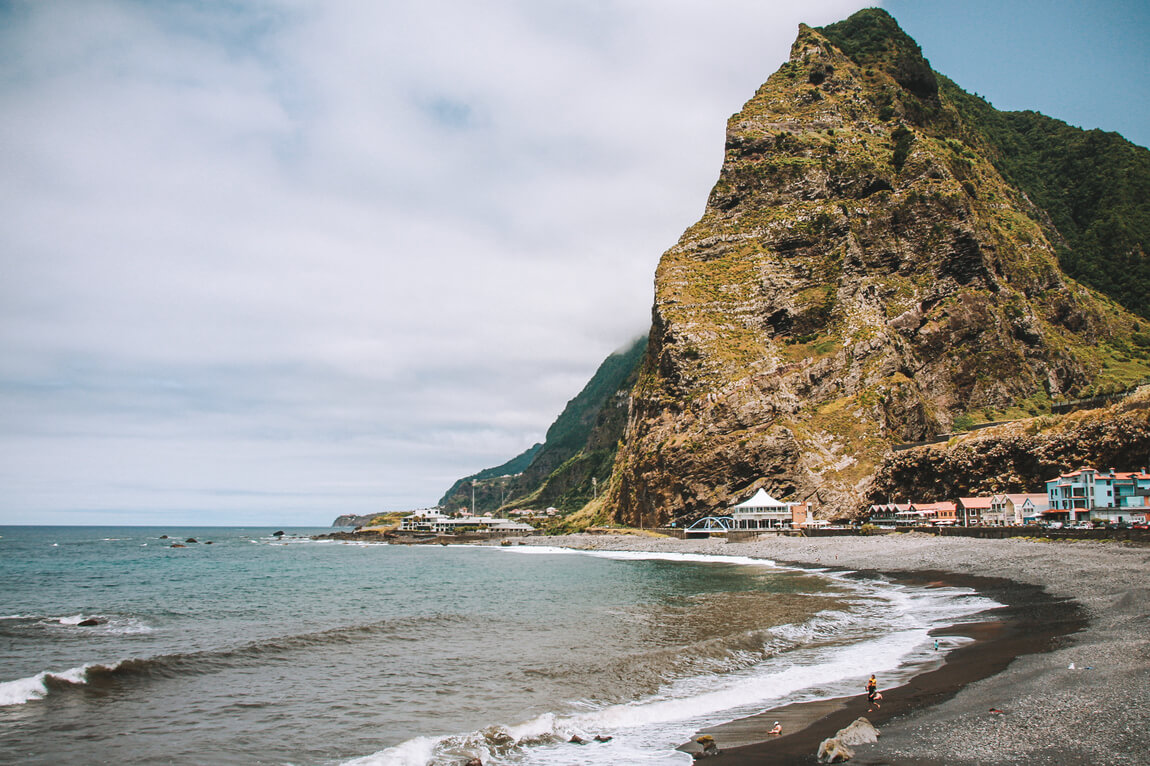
1087 495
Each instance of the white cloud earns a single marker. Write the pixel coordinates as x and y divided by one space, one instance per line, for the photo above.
294 260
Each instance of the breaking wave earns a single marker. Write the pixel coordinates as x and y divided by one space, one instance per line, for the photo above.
39 686
881 627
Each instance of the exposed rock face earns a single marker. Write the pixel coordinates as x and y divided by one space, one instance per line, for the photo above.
1020 456
860 277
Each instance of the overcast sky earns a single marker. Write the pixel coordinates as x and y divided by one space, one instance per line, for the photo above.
270 262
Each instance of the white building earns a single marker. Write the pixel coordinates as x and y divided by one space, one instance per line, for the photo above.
433 520
761 512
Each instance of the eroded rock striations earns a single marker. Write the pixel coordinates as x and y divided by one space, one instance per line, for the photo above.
1019 456
862 276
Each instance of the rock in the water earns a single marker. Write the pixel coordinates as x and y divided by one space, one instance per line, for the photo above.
191 540
860 732
279 533
577 740
178 545
91 621
833 751
473 762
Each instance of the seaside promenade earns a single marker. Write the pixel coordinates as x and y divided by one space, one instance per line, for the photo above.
1062 676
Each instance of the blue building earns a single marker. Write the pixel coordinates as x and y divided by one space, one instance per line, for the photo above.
1092 494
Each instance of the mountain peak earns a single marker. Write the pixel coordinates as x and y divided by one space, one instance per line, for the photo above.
872 38
863 275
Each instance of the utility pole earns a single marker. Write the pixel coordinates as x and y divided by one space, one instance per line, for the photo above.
473 497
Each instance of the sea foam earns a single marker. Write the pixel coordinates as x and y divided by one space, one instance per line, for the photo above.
24 690
811 662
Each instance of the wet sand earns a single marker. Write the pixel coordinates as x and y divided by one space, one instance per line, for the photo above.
1081 603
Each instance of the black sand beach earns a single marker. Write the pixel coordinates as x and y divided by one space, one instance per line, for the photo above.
1066 659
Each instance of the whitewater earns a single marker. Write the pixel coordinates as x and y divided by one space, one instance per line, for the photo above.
261 647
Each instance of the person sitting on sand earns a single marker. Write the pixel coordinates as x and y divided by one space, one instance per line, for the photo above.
777 731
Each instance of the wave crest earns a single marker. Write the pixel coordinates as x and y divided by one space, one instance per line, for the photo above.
23 690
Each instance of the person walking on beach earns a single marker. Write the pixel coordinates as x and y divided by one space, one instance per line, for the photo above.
872 694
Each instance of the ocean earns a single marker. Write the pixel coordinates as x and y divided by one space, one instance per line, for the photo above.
244 647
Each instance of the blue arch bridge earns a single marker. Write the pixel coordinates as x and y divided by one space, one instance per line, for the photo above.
710 524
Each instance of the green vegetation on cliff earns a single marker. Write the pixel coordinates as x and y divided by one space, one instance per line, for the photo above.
883 258
1093 185
577 454
515 465
1091 188
875 265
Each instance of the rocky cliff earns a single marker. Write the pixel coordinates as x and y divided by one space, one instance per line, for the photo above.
863 275
1019 456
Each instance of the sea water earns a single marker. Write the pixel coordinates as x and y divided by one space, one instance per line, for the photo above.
247 647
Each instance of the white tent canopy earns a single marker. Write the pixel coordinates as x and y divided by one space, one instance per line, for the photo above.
761 501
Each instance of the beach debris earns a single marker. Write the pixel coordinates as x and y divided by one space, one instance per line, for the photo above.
1071 666
709 747
996 710
833 751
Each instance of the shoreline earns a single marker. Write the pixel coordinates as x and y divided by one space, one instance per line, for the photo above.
1013 632
1065 605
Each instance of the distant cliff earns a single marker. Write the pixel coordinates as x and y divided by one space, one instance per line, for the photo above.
873 267
576 455
351 520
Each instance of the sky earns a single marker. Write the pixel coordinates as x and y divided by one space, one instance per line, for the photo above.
270 262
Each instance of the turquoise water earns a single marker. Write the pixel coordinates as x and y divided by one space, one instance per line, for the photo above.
244 647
